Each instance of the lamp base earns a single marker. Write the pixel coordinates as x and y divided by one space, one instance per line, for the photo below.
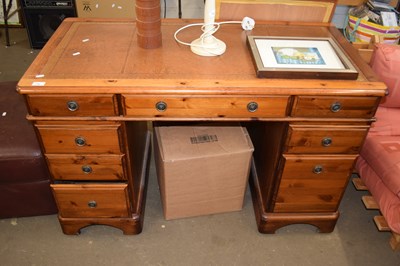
209 46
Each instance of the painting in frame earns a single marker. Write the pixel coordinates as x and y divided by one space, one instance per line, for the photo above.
300 58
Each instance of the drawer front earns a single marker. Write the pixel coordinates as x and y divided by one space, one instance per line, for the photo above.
72 105
325 139
96 200
205 107
313 183
86 167
80 139
330 107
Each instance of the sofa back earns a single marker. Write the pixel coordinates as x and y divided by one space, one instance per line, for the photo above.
385 62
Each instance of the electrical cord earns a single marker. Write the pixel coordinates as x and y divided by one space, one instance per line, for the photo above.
247 24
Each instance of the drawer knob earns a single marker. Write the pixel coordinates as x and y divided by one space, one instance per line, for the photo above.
161 106
92 204
336 107
72 106
87 169
252 107
80 141
317 169
326 142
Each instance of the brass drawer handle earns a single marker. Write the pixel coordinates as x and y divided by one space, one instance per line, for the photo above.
336 107
87 169
161 106
92 204
252 107
72 106
317 169
326 142
80 141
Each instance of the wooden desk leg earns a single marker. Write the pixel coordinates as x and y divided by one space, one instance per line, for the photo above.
129 226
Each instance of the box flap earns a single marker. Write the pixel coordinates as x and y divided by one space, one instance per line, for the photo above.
185 142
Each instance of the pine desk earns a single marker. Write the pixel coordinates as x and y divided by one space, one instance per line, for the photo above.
92 91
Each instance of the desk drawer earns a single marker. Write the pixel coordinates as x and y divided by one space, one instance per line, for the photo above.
95 200
330 107
73 105
81 139
313 183
86 167
207 107
325 139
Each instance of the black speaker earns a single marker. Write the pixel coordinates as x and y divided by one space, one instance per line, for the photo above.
42 18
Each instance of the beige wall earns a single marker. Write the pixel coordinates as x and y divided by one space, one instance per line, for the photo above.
105 9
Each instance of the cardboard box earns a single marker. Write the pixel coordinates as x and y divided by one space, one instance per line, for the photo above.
202 170
105 9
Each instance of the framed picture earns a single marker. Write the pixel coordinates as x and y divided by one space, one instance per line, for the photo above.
300 58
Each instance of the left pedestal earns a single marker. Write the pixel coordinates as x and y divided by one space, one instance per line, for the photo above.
106 200
99 168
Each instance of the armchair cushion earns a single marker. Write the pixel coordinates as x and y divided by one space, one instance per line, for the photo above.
387 122
382 153
388 202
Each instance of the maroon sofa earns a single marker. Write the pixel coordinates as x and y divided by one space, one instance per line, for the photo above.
24 177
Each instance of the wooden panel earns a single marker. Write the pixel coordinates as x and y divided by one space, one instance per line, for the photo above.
360 2
63 138
207 107
93 200
303 190
366 50
325 139
275 10
395 241
347 107
72 105
370 203
350 2
268 139
86 167
359 184
366 54
381 223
